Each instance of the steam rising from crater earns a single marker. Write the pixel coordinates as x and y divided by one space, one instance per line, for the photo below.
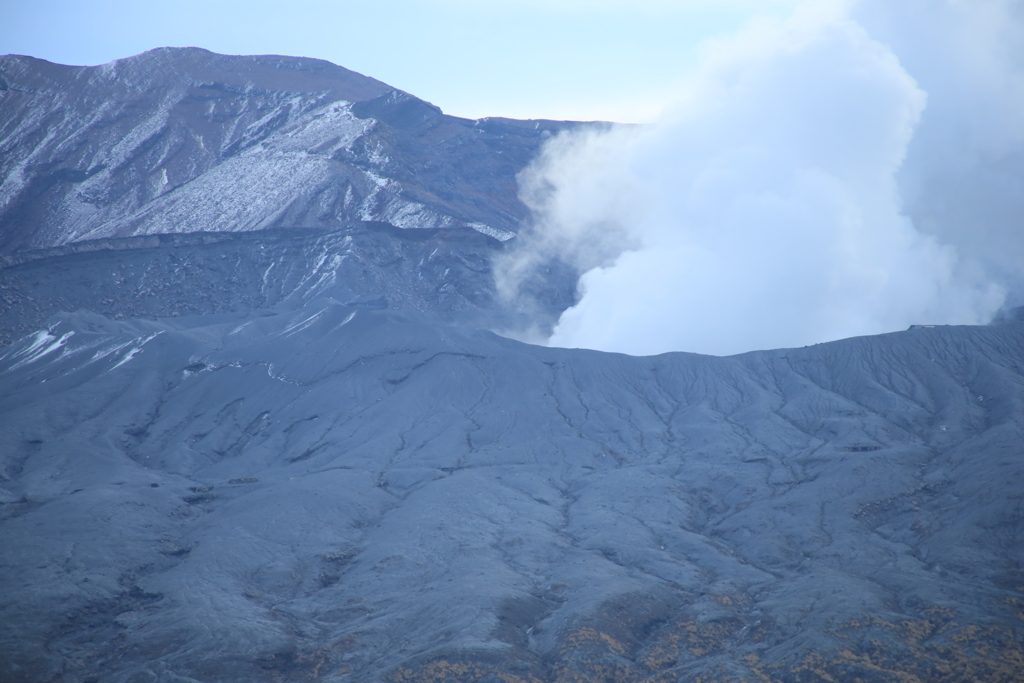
851 170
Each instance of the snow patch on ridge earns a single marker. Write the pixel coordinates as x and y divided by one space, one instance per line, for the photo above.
135 350
496 233
43 345
302 324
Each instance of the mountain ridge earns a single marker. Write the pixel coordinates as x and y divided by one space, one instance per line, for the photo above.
251 432
560 511
223 143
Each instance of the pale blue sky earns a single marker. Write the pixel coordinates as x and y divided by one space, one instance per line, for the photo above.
574 59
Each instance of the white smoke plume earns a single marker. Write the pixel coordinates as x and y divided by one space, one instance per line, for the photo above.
851 170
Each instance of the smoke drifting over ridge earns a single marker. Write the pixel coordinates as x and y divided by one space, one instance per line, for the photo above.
851 170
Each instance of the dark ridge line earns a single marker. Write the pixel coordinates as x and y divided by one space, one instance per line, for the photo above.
201 238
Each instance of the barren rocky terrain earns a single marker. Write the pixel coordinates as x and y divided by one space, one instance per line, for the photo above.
268 444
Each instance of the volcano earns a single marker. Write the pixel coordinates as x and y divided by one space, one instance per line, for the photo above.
257 425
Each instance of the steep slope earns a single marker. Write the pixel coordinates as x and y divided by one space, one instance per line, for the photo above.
184 140
444 274
251 430
342 494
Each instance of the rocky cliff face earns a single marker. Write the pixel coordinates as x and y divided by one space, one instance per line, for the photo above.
184 140
231 453
442 274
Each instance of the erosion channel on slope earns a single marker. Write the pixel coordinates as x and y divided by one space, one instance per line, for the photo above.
285 446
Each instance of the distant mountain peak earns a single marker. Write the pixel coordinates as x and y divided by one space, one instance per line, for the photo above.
187 140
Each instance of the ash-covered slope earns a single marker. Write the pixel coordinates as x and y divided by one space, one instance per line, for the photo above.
444 275
342 494
279 447
185 140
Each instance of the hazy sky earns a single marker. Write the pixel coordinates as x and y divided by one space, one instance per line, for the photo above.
573 59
